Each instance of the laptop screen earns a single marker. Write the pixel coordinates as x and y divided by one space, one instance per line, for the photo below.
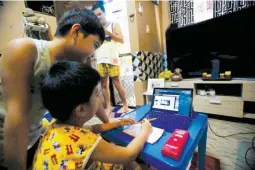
179 100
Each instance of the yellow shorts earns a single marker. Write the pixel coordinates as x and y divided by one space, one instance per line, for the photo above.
108 70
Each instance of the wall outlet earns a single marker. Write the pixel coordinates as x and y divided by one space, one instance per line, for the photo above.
140 8
147 29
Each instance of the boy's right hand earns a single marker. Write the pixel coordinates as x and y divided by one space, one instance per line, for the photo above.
146 127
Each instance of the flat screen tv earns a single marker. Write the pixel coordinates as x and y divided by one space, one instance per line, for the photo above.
228 38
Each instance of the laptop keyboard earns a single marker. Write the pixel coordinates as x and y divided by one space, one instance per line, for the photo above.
169 121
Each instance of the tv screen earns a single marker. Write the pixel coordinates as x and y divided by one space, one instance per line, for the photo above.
228 38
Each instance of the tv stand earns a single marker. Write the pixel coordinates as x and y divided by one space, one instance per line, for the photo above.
235 98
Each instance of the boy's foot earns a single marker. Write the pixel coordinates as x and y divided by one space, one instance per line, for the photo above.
124 109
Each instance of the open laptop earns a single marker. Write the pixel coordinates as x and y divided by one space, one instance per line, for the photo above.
172 107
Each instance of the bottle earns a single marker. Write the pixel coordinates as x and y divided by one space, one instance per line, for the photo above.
215 69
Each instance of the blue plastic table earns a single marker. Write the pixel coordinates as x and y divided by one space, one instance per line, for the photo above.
151 153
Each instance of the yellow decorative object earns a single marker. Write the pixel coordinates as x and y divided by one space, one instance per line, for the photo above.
167 75
222 75
228 73
208 75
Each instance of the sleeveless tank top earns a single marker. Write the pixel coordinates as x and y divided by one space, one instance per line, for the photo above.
37 111
108 53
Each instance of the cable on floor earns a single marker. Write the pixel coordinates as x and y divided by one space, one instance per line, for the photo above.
253 147
241 133
223 136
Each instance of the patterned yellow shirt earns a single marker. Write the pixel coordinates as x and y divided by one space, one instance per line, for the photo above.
65 148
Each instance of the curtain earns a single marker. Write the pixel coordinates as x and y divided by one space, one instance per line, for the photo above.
221 7
182 12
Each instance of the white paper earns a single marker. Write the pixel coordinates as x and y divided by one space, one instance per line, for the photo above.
135 130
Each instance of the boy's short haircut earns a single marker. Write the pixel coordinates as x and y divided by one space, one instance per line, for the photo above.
86 18
100 5
67 85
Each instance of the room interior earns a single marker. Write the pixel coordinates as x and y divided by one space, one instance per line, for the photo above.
155 38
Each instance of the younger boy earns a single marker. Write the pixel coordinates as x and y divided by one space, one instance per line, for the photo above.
69 91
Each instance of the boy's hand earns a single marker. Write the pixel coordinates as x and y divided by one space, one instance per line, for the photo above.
107 32
126 121
146 127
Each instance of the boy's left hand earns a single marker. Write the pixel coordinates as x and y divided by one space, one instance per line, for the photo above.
107 32
126 121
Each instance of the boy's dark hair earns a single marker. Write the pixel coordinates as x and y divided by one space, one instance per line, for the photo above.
67 85
86 18
100 5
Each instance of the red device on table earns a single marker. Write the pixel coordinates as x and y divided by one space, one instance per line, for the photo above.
175 145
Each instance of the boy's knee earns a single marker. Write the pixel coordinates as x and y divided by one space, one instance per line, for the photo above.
116 81
105 85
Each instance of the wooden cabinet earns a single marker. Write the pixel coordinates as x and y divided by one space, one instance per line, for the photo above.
181 84
248 91
231 104
220 105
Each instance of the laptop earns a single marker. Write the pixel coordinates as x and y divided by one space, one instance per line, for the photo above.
172 107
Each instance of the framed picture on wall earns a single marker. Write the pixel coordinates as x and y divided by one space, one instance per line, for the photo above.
45 7
153 83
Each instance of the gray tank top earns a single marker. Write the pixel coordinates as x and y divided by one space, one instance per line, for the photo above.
37 111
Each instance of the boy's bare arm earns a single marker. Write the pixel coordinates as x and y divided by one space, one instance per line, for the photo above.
109 153
116 35
101 113
99 128
16 69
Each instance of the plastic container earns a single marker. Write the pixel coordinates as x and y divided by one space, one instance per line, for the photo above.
215 69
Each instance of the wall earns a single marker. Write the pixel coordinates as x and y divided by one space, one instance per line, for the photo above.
11 22
62 6
158 19
158 26
147 41
132 25
165 20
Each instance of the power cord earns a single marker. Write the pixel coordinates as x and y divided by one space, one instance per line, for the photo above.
221 136
241 133
253 147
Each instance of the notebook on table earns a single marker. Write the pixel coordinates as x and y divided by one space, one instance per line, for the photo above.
135 130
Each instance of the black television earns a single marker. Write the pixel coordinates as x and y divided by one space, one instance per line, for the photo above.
228 38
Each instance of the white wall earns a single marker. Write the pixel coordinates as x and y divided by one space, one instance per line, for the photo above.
11 22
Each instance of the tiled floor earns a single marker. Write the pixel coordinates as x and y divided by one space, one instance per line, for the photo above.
230 150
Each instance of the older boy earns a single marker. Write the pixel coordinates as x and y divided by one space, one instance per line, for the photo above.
21 69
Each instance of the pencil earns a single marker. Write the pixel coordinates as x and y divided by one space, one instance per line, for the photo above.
152 119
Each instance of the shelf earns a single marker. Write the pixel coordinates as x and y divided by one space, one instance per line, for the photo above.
249 115
234 90
148 93
219 97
